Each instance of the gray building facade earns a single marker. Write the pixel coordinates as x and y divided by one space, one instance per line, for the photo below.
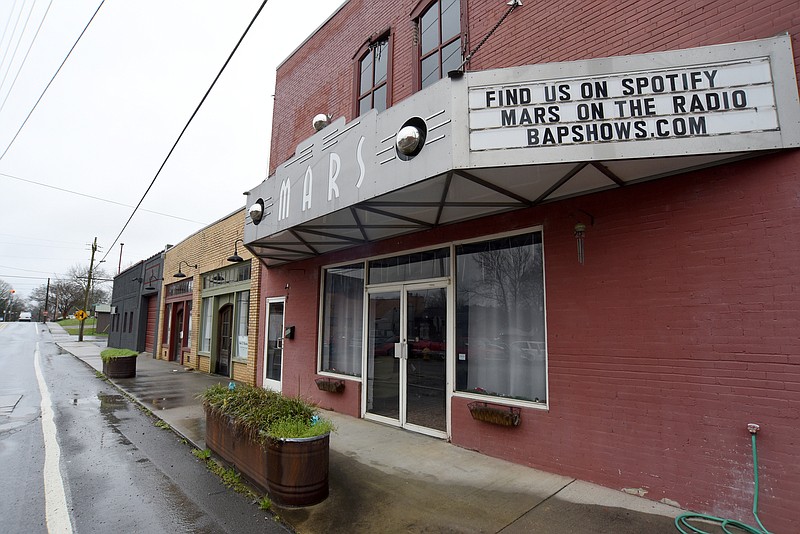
134 305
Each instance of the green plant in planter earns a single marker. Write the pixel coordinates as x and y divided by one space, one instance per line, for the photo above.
113 354
119 363
281 443
261 414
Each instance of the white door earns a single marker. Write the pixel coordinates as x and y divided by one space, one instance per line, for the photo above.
273 351
407 357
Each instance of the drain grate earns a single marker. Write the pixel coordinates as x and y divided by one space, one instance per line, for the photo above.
8 403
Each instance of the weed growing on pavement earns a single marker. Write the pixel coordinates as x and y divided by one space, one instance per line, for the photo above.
163 425
203 454
101 376
265 503
231 479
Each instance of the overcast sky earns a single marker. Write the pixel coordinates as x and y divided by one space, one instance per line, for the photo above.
110 117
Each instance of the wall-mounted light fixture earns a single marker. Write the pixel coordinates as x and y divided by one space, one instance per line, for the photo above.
180 274
149 286
579 231
320 121
580 234
236 258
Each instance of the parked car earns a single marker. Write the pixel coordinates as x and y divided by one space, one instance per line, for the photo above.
25 317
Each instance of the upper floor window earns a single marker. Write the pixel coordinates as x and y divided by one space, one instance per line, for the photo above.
373 77
439 40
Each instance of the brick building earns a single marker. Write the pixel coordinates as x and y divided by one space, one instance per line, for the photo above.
209 303
570 245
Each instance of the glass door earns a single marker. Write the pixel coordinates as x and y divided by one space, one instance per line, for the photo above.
407 357
273 365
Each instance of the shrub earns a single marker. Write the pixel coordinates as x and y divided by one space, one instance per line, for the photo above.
111 354
260 414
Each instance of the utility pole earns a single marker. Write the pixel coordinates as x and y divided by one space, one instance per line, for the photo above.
88 289
46 300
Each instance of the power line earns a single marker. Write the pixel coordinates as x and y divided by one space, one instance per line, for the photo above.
51 81
22 65
26 270
213 83
42 184
8 21
19 41
13 31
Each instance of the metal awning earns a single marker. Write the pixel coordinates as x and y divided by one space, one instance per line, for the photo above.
460 195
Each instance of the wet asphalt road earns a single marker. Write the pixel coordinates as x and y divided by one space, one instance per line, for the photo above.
120 472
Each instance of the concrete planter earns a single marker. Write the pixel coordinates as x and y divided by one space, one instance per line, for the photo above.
120 367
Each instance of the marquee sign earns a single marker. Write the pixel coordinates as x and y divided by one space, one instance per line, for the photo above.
699 100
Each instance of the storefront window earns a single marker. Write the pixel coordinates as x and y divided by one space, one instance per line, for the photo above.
168 326
205 324
343 318
416 266
242 323
189 325
500 328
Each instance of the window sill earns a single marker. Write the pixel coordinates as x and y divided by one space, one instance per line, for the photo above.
352 378
237 359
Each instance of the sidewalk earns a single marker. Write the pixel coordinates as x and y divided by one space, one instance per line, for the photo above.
383 479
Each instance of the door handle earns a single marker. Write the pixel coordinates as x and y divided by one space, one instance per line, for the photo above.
398 350
279 343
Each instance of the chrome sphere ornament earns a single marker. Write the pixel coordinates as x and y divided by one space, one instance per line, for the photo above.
257 211
320 121
411 138
408 139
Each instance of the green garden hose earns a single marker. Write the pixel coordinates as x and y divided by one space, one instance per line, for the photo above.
682 521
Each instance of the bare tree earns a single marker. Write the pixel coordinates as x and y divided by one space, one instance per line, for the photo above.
67 293
10 303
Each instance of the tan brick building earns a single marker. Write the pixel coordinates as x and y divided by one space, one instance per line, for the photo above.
209 304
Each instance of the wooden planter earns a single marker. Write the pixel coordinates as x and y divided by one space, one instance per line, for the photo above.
494 414
246 455
293 471
120 367
297 470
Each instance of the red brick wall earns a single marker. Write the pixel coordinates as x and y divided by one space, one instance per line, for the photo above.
318 78
683 324
301 286
680 328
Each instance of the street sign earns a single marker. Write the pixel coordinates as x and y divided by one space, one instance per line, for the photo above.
80 315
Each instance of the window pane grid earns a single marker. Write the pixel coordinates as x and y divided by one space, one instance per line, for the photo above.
373 78
439 29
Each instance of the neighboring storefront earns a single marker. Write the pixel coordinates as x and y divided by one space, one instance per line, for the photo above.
225 317
134 315
585 266
209 318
